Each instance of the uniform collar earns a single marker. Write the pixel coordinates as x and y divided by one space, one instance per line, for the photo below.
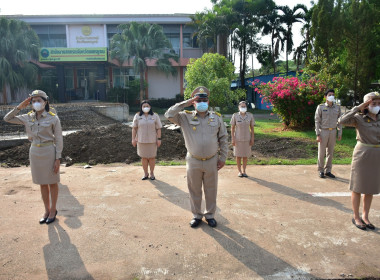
34 114
195 113
327 105
367 116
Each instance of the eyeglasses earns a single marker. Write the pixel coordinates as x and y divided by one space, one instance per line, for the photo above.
201 100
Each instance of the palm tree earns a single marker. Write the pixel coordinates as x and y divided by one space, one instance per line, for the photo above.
289 17
208 26
140 42
301 52
272 26
18 45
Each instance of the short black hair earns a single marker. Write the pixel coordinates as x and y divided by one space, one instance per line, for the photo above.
145 102
329 90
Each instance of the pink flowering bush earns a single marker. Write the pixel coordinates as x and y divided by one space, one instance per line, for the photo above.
293 99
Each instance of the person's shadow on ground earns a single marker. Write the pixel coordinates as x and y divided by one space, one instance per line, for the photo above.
62 259
245 251
288 191
69 207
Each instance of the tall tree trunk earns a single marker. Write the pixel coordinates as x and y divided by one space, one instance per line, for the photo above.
272 51
5 101
141 85
287 66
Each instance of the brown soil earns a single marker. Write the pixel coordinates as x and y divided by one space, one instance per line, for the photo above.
113 144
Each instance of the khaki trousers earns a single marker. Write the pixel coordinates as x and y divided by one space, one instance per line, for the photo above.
326 148
202 172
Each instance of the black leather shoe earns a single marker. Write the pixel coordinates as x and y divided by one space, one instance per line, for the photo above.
370 226
330 175
43 220
195 222
50 220
362 227
321 175
211 222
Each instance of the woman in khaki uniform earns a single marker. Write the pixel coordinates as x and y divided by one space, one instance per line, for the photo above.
242 136
365 175
44 131
146 134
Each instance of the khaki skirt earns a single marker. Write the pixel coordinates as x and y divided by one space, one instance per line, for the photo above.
42 164
365 175
242 149
147 150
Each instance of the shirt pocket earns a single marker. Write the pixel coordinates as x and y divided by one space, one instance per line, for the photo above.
30 127
213 126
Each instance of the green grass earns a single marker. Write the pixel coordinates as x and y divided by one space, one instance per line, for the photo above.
134 109
274 129
342 152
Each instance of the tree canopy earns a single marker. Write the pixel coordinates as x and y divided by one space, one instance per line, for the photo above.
215 72
139 42
18 45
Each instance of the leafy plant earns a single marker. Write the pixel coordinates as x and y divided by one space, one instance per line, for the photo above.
293 99
215 72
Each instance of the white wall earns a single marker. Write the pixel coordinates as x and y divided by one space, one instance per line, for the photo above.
162 86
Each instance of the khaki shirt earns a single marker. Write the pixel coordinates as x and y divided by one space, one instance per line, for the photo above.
204 137
243 126
147 127
46 129
367 130
327 117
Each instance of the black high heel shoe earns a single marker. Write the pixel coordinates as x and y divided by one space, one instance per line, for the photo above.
50 220
43 220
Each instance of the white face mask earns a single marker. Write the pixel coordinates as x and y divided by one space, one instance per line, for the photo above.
146 109
243 109
330 98
374 109
201 106
38 106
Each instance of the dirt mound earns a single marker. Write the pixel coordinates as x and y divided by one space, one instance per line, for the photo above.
72 117
113 144
101 145
289 148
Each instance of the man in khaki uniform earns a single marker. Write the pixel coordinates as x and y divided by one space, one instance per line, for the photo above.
326 118
206 142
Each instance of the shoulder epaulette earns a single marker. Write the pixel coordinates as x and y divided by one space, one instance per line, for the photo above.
188 112
51 113
30 112
218 114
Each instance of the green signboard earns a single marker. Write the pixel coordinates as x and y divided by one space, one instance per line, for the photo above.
73 54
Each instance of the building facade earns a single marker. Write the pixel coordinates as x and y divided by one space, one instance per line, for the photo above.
74 55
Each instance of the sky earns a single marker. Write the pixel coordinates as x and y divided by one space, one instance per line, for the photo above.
37 7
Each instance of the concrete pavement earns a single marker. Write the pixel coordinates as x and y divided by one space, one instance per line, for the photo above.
112 225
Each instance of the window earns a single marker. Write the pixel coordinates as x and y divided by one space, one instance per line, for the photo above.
121 77
51 36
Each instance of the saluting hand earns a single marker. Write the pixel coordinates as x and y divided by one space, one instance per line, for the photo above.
365 104
24 103
191 100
